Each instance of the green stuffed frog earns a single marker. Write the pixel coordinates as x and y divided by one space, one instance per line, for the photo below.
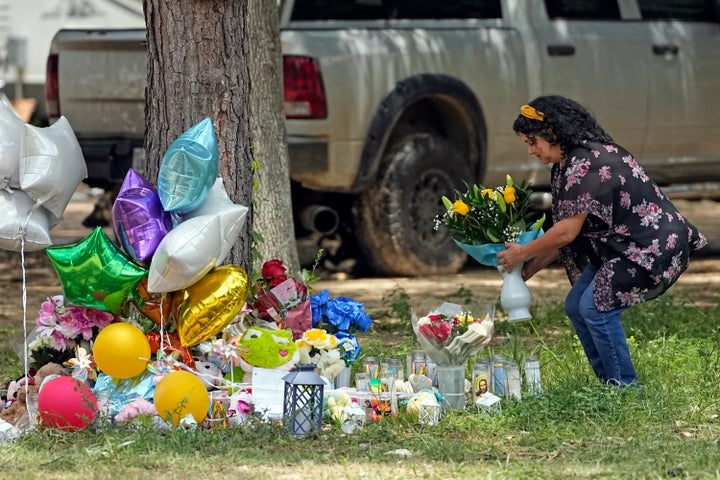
266 348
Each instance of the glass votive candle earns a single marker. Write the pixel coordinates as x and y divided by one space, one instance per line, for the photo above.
362 381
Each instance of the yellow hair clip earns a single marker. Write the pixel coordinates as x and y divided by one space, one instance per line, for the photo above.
530 112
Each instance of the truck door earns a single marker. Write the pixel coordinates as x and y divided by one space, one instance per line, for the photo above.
589 53
683 142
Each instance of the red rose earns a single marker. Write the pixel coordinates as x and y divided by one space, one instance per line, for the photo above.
277 280
274 271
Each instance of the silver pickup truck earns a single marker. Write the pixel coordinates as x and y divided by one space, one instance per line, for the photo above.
392 103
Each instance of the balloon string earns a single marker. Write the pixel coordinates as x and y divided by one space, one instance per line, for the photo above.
212 378
25 333
161 353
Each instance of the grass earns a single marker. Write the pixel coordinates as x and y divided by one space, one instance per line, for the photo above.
577 429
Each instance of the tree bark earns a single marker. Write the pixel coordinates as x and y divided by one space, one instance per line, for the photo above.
272 201
198 67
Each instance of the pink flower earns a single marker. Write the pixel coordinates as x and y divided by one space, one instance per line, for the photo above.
62 343
46 324
79 324
99 318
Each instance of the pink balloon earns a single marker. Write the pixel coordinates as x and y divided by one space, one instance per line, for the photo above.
139 219
66 403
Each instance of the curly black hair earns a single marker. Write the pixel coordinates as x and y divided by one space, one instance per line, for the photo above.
565 122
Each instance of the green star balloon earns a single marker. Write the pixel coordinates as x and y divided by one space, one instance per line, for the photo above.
95 272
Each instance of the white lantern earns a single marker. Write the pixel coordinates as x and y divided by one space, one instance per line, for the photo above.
429 411
488 403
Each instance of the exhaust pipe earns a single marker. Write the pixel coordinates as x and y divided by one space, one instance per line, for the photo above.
320 218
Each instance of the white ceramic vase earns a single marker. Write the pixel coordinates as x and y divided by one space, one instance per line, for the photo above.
515 296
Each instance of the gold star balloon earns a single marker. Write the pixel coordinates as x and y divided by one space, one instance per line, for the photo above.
95 272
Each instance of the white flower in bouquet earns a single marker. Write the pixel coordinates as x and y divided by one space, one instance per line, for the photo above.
318 347
331 363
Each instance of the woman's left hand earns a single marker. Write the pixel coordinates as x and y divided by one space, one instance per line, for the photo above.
511 257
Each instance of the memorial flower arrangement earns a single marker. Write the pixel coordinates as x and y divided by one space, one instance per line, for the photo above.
283 299
342 317
61 328
451 334
482 220
318 347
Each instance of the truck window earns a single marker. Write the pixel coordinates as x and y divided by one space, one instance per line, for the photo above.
583 9
427 9
688 10
394 9
339 10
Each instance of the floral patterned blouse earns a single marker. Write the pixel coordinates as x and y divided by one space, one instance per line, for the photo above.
633 234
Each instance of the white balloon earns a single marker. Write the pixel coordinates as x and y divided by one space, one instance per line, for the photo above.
11 129
231 215
19 220
51 165
185 255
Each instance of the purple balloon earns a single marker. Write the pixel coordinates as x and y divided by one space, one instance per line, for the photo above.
139 218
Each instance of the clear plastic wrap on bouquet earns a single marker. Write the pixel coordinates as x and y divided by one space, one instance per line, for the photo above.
288 305
451 333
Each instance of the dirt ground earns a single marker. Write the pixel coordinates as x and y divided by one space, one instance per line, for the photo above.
701 283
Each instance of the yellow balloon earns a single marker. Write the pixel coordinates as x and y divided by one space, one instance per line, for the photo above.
209 305
180 393
121 350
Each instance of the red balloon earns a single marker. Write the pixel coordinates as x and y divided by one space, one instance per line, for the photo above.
67 404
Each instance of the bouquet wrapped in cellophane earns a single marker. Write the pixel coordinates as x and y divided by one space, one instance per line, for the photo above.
451 333
283 299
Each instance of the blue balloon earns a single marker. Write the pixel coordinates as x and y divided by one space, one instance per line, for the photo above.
188 169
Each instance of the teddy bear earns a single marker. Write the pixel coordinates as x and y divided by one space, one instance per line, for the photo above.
17 413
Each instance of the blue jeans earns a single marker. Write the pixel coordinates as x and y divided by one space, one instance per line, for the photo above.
601 333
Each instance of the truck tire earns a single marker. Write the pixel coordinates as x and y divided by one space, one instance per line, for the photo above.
395 218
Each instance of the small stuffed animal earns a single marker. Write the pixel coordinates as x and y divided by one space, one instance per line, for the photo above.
17 414
209 373
266 348
11 393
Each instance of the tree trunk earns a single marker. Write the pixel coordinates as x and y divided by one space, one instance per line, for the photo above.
273 206
198 67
